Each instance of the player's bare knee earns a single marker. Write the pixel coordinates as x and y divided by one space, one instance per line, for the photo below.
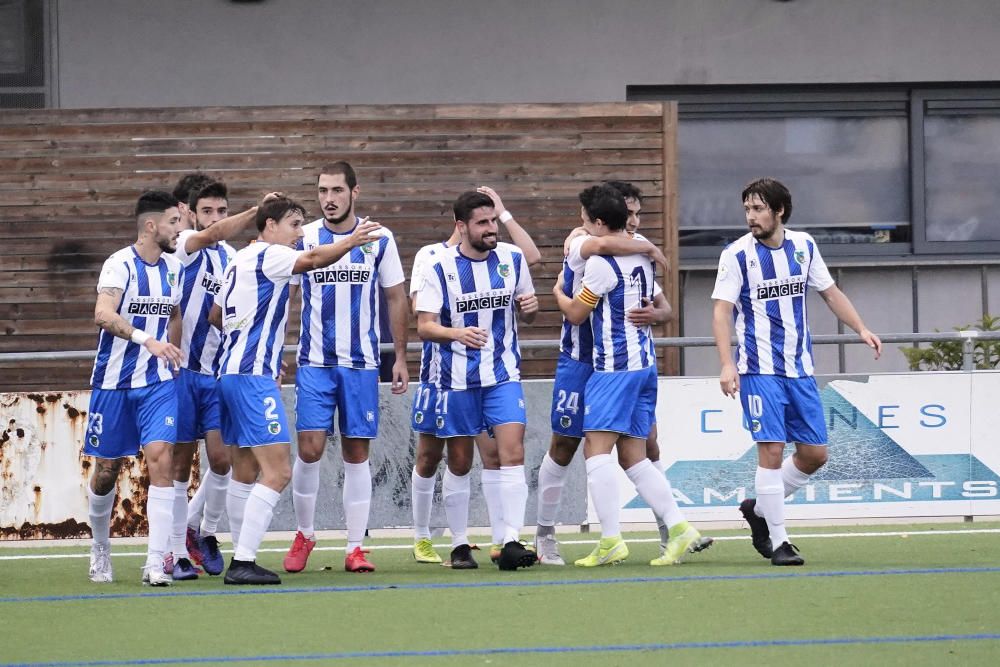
311 445
563 449
219 463
105 476
809 459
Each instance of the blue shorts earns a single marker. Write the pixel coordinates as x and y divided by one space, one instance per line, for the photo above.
120 421
350 392
253 413
567 395
422 413
621 402
469 412
780 409
197 405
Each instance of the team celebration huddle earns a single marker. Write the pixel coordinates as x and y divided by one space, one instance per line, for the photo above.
190 348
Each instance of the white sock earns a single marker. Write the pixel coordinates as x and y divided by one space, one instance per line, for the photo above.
771 503
514 499
490 479
215 500
551 478
661 525
159 514
178 527
655 490
422 497
357 502
792 478
236 502
604 493
196 506
305 489
256 520
100 515
455 494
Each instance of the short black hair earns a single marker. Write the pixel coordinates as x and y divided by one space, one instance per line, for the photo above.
340 167
190 183
607 204
213 190
773 193
628 190
468 202
154 201
277 209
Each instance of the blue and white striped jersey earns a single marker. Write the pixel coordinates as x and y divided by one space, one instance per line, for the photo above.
254 302
429 352
621 283
577 340
340 302
767 288
465 292
203 273
150 293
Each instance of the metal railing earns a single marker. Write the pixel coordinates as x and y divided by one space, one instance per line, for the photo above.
967 338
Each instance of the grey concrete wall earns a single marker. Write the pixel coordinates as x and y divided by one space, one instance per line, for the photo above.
124 53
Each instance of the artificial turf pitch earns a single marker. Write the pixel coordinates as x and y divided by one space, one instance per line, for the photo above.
921 595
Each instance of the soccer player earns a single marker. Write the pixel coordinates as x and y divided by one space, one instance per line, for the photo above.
188 185
620 395
430 448
761 284
338 360
469 303
133 404
205 255
576 363
253 311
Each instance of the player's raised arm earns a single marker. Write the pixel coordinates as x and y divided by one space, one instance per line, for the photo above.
328 253
621 245
518 235
225 229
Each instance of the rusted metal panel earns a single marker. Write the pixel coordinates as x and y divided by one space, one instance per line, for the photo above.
45 474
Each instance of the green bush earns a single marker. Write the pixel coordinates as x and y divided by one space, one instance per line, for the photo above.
947 355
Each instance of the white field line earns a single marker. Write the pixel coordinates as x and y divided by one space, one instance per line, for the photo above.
446 546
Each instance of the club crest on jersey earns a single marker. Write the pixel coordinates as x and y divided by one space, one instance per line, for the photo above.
171 278
755 425
418 418
94 441
565 421
503 270
274 428
368 248
800 256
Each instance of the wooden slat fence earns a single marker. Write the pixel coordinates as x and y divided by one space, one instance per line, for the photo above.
69 179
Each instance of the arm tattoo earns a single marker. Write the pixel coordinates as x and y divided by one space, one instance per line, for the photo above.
109 320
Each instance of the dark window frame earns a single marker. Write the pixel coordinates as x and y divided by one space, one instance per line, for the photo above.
910 100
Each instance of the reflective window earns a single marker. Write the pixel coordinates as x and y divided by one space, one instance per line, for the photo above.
962 177
848 175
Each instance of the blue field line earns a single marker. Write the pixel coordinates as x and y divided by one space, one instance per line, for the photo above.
523 650
281 590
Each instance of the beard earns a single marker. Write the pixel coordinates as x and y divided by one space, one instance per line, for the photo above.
167 245
484 244
761 234
337 219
